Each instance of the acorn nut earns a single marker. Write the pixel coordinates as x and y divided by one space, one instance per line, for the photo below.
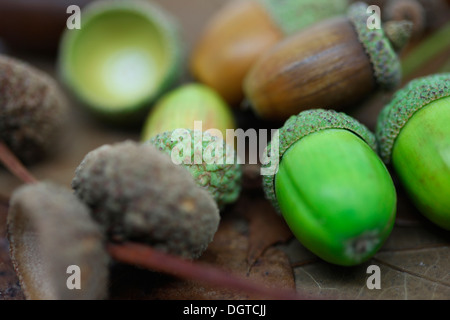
331 187
208 158
124 57
49 230
337 62
136 193
413 133
182 107
242 30
33 110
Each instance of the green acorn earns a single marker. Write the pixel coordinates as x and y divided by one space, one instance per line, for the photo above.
413 133
331 187
126 54
208 158
242 30
182 107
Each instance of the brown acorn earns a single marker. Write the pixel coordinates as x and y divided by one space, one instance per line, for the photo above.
335 64
242 30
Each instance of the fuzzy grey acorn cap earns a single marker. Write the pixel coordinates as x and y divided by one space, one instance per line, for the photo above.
221 175
136 193
32 109
50 229
301 125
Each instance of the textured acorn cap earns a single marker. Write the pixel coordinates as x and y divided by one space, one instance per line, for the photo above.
124 57
387 67
220 176
32 109
50 229
405 103
136 193
294 15
301 125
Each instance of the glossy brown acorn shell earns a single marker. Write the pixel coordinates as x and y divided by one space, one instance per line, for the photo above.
324 66
233 40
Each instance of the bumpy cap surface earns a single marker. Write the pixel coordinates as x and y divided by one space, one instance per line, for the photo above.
405 103
298 127
210 160
136 193
50 229
32 109
294 15
387 67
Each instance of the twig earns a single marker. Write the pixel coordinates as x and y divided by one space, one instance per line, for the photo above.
14 165
147 257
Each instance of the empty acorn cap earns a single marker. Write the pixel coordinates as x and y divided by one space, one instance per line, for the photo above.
220 175
138 194
406 102
50 230
32 109
384 59
301 125
126 54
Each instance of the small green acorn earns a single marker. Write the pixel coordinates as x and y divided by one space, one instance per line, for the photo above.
331 187
182 107
208 158
413 133
126 54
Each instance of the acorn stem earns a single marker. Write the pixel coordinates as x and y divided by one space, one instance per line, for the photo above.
14 165
147 257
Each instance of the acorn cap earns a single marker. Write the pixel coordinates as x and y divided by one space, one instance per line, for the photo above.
126 54
405 103
50 229
301 125
293 15
387 67
33 109
138 194
221 177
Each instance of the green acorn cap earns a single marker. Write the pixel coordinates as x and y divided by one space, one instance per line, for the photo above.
378 46
293 15
220 175
301 125
124 57
406 102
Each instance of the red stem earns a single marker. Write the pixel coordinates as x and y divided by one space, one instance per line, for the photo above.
14 165
147 257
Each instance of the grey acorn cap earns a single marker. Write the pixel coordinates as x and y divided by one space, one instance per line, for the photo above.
33 109
49 230
136 193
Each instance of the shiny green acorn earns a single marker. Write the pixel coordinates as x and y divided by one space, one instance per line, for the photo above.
413 133
331 187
